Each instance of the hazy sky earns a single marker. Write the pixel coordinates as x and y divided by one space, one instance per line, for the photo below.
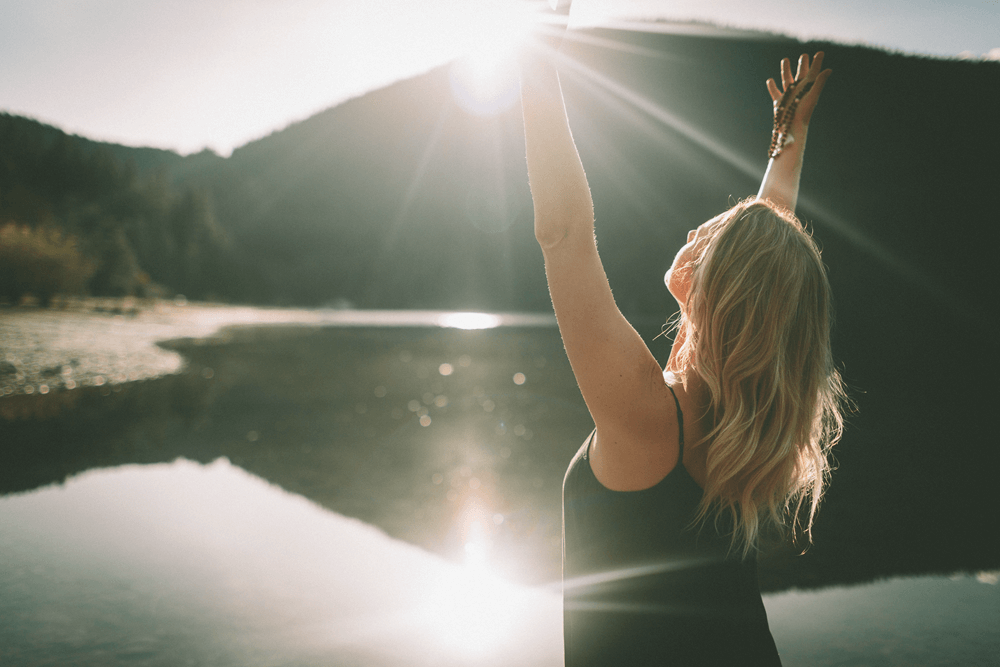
186 74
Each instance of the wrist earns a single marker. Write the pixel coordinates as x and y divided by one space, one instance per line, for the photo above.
788 140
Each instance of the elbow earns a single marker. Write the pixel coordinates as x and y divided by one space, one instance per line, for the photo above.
550 236
554 226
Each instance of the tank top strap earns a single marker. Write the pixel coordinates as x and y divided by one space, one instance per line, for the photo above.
680 423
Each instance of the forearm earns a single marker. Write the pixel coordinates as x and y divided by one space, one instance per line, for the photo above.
562 201
781 180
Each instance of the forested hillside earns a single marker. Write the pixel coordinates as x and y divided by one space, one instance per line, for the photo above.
114 212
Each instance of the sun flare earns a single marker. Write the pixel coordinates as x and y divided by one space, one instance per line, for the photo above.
493 33
472 609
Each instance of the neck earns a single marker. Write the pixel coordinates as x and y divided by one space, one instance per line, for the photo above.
691 382
675 350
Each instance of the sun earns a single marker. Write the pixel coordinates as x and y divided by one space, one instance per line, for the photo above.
493 32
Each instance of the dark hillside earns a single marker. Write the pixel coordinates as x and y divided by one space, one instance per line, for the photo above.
140 232
397 199
404 177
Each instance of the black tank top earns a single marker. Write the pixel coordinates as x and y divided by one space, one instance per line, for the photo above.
641 586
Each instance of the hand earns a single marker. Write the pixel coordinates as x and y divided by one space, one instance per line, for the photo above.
807 77
794 104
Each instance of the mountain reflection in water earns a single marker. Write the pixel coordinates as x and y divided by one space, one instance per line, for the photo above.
184 563
178 563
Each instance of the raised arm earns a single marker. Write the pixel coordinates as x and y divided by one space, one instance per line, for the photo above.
620 379
794 103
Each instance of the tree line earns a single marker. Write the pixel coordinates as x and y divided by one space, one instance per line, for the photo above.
75 217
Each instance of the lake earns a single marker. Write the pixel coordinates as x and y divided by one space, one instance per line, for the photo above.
317 487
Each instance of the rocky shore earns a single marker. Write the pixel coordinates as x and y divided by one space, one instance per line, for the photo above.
48 355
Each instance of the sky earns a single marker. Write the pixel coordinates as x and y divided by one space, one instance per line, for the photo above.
194 74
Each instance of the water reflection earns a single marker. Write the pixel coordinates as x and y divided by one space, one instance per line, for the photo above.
206 564
927 621
356 419
179 563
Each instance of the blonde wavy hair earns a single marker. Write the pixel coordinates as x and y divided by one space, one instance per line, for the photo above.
756 329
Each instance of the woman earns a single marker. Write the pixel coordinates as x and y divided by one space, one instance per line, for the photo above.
665 502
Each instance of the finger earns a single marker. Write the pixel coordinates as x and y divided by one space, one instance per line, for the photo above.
812 97
815 69
820 82
772 88
786 73
803 67
817 64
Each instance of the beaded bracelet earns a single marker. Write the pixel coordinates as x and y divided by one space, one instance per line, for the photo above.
784 112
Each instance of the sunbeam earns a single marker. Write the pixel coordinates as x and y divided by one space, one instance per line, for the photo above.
601 579
751 169
657 112
597 592
901 267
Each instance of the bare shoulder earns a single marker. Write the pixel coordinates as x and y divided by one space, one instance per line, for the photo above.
637 452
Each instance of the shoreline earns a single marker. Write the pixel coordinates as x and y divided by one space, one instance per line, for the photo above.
48 354
97 341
